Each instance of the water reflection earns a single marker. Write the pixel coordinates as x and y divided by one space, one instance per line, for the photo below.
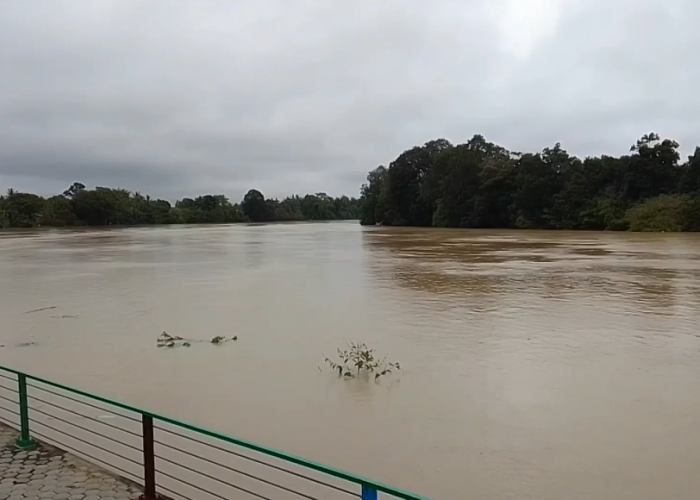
254 247
474 263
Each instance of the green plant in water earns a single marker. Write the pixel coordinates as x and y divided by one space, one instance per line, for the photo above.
167 340
358 359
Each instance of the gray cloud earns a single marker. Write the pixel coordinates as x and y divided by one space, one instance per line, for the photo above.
176 98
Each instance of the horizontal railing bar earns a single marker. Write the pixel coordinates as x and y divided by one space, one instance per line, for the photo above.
236 470
93 419
125 474
128 417
281 469
9 411
398 493
194 486
171 492
85 429
85 394
10 400
290 458
8 389
9 424
88 443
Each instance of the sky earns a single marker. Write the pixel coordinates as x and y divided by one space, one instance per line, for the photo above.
180 99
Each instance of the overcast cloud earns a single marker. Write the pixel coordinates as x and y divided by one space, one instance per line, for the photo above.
190 97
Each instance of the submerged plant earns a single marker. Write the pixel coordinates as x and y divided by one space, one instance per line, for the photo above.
167 340
358 359
221 340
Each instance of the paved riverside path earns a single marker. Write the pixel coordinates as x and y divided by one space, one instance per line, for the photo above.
46 472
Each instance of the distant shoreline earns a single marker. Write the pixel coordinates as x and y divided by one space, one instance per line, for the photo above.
194 224
101 206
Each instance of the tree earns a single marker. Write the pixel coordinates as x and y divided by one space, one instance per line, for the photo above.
373 198
453 184
254 206
653 169
116 206
406 206
690 174
74 189
58 212
289 209
318 206
23 209
94 207
481 184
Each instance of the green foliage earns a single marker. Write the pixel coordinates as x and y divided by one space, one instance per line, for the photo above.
373 197
606 213
74 189
667 212
317 206
208 209
358 359
481 184
58 212
690 174
104 206
255 208
21 209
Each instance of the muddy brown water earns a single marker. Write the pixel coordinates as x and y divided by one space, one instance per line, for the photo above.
536 365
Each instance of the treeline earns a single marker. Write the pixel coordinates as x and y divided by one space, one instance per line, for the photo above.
482 185
102 206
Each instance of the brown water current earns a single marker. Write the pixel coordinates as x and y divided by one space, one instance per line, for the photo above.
536 365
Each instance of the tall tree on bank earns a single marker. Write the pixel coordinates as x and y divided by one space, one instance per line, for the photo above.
481 184
255 207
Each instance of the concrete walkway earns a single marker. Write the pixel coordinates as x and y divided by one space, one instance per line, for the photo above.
52 474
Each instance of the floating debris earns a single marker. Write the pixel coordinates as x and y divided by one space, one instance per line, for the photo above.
167 340
221 340
39 310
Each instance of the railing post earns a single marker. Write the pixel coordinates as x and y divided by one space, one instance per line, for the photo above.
149 460
24 441
368 493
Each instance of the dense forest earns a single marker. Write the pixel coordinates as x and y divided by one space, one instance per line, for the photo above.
482 185
476 184
78 206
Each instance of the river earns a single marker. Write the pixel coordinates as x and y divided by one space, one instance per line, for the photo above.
536 365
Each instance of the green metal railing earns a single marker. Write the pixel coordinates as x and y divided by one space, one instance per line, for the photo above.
167 456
